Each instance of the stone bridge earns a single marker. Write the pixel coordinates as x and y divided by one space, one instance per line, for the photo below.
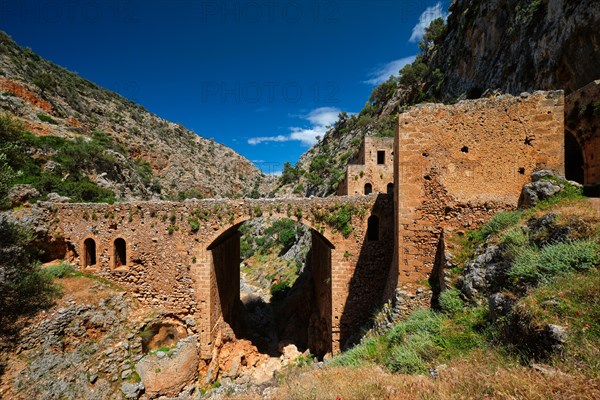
184 257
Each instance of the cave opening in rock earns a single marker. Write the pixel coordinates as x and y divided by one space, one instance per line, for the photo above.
574 162
273 280
162 333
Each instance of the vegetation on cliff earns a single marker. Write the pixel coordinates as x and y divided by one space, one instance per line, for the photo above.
124 151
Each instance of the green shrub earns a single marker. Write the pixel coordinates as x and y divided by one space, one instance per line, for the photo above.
194 224
340 219
500 222
405 360
284 230
24 287
371 350
577 255
423 321
450 301
533 266
514 237
397 335
61 270
279 290
289 173
46 118
7 174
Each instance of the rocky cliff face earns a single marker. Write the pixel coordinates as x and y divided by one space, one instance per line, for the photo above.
507 45
151 157
520 45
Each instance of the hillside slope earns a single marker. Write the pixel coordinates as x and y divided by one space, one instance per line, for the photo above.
147 156
507 45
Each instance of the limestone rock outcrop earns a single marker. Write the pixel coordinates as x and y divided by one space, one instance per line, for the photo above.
166 373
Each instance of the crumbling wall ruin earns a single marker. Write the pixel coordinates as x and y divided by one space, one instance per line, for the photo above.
457 165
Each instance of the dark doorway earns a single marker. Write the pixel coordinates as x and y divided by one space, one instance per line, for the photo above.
89 253
390 188
368 188
373 228
120 255
573 159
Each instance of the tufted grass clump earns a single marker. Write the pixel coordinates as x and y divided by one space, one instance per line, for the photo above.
500 222
533 266
61 270
450 301
406 348
572 300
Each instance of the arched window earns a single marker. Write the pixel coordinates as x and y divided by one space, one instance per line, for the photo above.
373 228
368 188
89 253
390 188
120 255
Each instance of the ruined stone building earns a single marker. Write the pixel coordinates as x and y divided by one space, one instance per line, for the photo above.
371 170
457 165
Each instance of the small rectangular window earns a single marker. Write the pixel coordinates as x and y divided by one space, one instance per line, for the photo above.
380 157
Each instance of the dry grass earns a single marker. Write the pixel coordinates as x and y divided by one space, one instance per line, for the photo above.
483 375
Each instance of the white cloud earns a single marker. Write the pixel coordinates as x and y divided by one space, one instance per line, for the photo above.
323 116
383 73
260 139
425 19
320 119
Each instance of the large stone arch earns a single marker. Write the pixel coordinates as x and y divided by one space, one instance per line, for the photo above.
326 233
221 268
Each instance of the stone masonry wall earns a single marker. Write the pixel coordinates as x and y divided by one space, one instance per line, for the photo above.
169 258
364 168
457 165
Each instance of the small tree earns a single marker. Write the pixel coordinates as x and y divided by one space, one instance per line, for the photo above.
289 173
434 33
7 174
24 287
44 81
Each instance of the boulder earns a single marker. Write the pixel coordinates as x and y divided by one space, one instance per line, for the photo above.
500 305
166 376
486 274
544 184
57 198
132 390
535 191
556 337
21 194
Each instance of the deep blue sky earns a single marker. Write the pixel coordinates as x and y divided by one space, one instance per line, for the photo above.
230 70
